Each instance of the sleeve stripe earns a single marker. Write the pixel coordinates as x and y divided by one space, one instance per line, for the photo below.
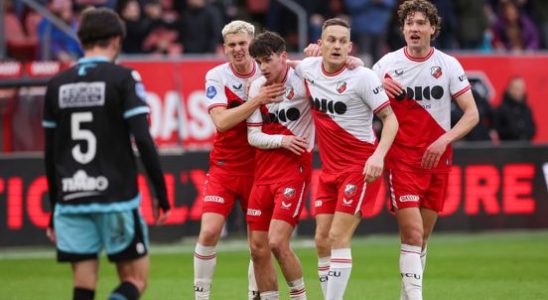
464 90
136 111
385 104
212 106
254 124
48 124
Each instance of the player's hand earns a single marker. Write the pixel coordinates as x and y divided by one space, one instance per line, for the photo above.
433 153
312 50
50 233
353 62
271 93
295 144
373 167
393 88
160 216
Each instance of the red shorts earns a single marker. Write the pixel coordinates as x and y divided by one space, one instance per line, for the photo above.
416 189
220 191
344 192
280 201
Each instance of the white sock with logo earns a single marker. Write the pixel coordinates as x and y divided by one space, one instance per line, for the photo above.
205 259
297 291
340 267
270 295
323 270
411 271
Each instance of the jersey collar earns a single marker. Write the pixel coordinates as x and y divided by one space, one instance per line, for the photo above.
92 59
418 59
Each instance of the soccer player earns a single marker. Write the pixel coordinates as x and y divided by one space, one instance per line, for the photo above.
343 103
91 111
284 134
421 81
232 158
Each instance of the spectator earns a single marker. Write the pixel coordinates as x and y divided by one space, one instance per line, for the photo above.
370 19
20 45
539 10
163 37
485 130
55 43
136 27
514 120
205 17
472 23
513 30
449 23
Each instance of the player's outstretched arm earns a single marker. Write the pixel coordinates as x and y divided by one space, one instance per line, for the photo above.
468 120
375 164
139 128
226 118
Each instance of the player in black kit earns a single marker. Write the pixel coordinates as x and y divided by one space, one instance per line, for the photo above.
90 113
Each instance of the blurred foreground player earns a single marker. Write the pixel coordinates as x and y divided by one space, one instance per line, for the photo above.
91 111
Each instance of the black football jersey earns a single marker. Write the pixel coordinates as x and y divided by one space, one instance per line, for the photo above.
87 106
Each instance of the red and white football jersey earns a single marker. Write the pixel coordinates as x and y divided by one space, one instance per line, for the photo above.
343 104
291 116
424 110
231 153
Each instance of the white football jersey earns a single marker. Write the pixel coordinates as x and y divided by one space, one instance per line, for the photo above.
225 87
291 116
424 110
343 103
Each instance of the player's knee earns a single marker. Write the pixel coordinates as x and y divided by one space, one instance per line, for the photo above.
209 236
140 282
259 250
413 236
338 239
278 246
322 240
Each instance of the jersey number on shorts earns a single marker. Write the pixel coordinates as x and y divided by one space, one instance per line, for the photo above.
79 134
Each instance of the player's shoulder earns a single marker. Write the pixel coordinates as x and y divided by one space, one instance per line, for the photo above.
258 81
310 61
217 72
362 71
445 57
391 57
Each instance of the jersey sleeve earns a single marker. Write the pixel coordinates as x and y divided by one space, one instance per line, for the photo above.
373 91
255 119
458 82
49 120
305 64
215 91
135 96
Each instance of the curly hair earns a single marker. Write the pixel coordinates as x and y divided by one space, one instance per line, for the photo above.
430 11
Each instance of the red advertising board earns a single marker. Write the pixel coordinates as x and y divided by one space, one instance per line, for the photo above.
179 114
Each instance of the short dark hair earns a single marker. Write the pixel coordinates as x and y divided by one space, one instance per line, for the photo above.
429 10
98 26
335 22
265 44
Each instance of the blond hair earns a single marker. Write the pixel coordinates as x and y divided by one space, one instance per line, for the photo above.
238 26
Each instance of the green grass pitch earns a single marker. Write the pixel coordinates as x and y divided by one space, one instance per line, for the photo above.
511 265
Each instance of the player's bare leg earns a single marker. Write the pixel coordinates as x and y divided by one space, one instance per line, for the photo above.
265 274
340 266
84 278
411 233
205 256
279 235
133 277
323 248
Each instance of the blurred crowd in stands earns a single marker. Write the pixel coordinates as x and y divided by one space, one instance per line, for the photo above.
181 27
175 27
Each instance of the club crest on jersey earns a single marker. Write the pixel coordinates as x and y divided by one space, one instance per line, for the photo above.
289 93
341 87
436 71
350 190
289 193
398 72
211 92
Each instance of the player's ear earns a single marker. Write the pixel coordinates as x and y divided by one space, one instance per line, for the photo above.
350 45
283 56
